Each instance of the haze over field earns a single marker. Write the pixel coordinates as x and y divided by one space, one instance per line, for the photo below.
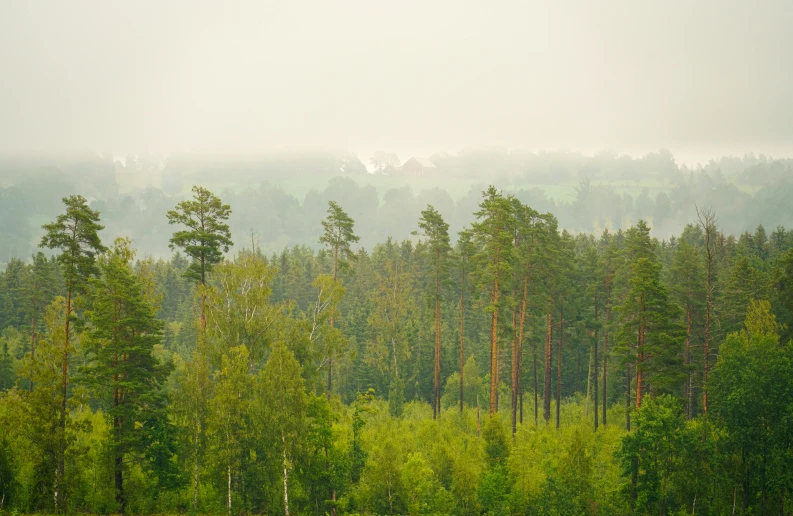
702 79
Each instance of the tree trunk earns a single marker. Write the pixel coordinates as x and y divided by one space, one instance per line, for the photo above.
494 349
286 475
605 363
628 398
514 377
536 384
690 379
436 402
640 357
119 482
195 465
478 419
559 370
330 355
61 465
462 339
595 351
32 342
228 486
520 344
595 386
547 386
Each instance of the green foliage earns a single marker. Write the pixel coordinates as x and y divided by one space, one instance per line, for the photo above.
242 422
75 233
207 235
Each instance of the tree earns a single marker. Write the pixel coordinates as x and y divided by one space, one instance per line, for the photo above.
708 222
464 255
207 235
649 332
687 286
783 296
280 408
384 162
37 289
205 240
76 234
743 284
609 253
436 230
337 235
121 368
751 394
658 455
493 234
228 409
527 226
649 335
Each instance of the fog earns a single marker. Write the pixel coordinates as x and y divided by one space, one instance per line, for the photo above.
699 78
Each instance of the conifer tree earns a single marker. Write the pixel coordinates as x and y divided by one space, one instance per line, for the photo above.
206 238
76 234
493 234
436 231
687 287
707 221
338 235
121 368
37 289
465 254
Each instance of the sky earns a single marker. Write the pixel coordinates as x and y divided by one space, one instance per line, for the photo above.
700 78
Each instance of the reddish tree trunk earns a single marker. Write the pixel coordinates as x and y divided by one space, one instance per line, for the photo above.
547 379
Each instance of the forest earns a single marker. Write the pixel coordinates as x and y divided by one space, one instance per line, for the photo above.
503 366
280 198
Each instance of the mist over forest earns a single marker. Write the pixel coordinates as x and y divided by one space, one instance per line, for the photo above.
279 199
412 258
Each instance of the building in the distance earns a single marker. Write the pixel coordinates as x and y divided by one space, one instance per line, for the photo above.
417 167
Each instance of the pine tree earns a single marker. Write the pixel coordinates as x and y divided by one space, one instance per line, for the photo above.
528 224
687 288
649 334
36 292
206 238
121 369
76 234
707 221
493 234
464 257
337 235
436 231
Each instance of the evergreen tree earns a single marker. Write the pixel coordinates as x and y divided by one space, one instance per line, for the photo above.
204 241
436 231
687 280
337 235
649 333
207 235
464 257
76 234
121 368
493 234
37 291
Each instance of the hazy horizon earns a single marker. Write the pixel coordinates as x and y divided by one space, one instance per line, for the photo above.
241 78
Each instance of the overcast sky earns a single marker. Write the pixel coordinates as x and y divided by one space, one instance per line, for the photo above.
697 77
